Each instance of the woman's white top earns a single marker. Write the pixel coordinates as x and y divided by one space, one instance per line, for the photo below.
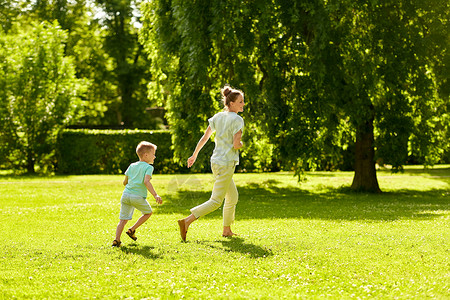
226 125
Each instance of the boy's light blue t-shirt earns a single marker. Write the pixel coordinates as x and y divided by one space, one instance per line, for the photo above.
226 125
136 173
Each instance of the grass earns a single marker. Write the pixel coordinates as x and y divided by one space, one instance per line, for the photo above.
313 240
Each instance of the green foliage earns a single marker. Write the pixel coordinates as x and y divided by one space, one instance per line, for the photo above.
39 94
411 116
102 39
316 74
181 67
9 10
83 151
129 72
110 151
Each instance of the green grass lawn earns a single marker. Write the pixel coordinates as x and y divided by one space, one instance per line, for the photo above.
311 240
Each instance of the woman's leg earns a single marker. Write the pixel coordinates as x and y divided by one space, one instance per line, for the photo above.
229 208
223 176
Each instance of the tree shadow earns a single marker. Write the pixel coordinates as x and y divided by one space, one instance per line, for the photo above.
432 172
440 174
145 251
238 245
269 201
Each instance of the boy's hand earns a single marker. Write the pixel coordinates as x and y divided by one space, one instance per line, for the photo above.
158 199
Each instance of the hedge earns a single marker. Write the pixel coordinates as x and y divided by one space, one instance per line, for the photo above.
87 151
95 151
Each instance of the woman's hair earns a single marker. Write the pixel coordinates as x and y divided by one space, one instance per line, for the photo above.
144 147
230 95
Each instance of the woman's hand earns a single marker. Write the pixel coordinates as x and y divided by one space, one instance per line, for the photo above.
237 143
191 160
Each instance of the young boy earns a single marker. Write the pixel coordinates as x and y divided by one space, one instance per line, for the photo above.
137 182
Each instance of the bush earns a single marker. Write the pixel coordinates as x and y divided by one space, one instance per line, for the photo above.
84 151
39 95
93 151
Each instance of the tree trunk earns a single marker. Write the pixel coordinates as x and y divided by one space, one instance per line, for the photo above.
30 163
365 178
128 106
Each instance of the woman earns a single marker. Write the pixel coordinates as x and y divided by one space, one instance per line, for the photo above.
228 126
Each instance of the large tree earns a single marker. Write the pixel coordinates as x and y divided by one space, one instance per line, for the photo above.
85 43
38 94
130 65
319 76
102 38
9 11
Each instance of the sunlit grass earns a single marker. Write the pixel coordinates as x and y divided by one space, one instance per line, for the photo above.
313 240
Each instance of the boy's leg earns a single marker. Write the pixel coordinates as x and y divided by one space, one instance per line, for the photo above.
140 221
120 228
126 212
143 206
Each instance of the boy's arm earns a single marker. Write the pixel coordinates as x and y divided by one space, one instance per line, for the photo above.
151 189
199 146
125 181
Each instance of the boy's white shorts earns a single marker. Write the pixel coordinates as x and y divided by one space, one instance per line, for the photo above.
129 202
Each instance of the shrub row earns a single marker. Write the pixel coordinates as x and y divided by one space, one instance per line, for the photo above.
94 151
87 151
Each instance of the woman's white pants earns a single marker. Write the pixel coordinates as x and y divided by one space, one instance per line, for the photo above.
224 189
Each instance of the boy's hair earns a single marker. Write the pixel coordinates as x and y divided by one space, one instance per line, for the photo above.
144 147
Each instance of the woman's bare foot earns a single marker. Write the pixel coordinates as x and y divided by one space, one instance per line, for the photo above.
227 232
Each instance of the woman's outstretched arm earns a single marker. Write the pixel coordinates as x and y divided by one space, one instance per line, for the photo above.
191 160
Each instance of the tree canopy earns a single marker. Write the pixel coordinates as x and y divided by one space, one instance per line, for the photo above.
320 77
324 80
39 93
103 40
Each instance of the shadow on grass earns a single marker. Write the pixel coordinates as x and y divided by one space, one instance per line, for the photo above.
268 201
441 172
145 251
238 245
